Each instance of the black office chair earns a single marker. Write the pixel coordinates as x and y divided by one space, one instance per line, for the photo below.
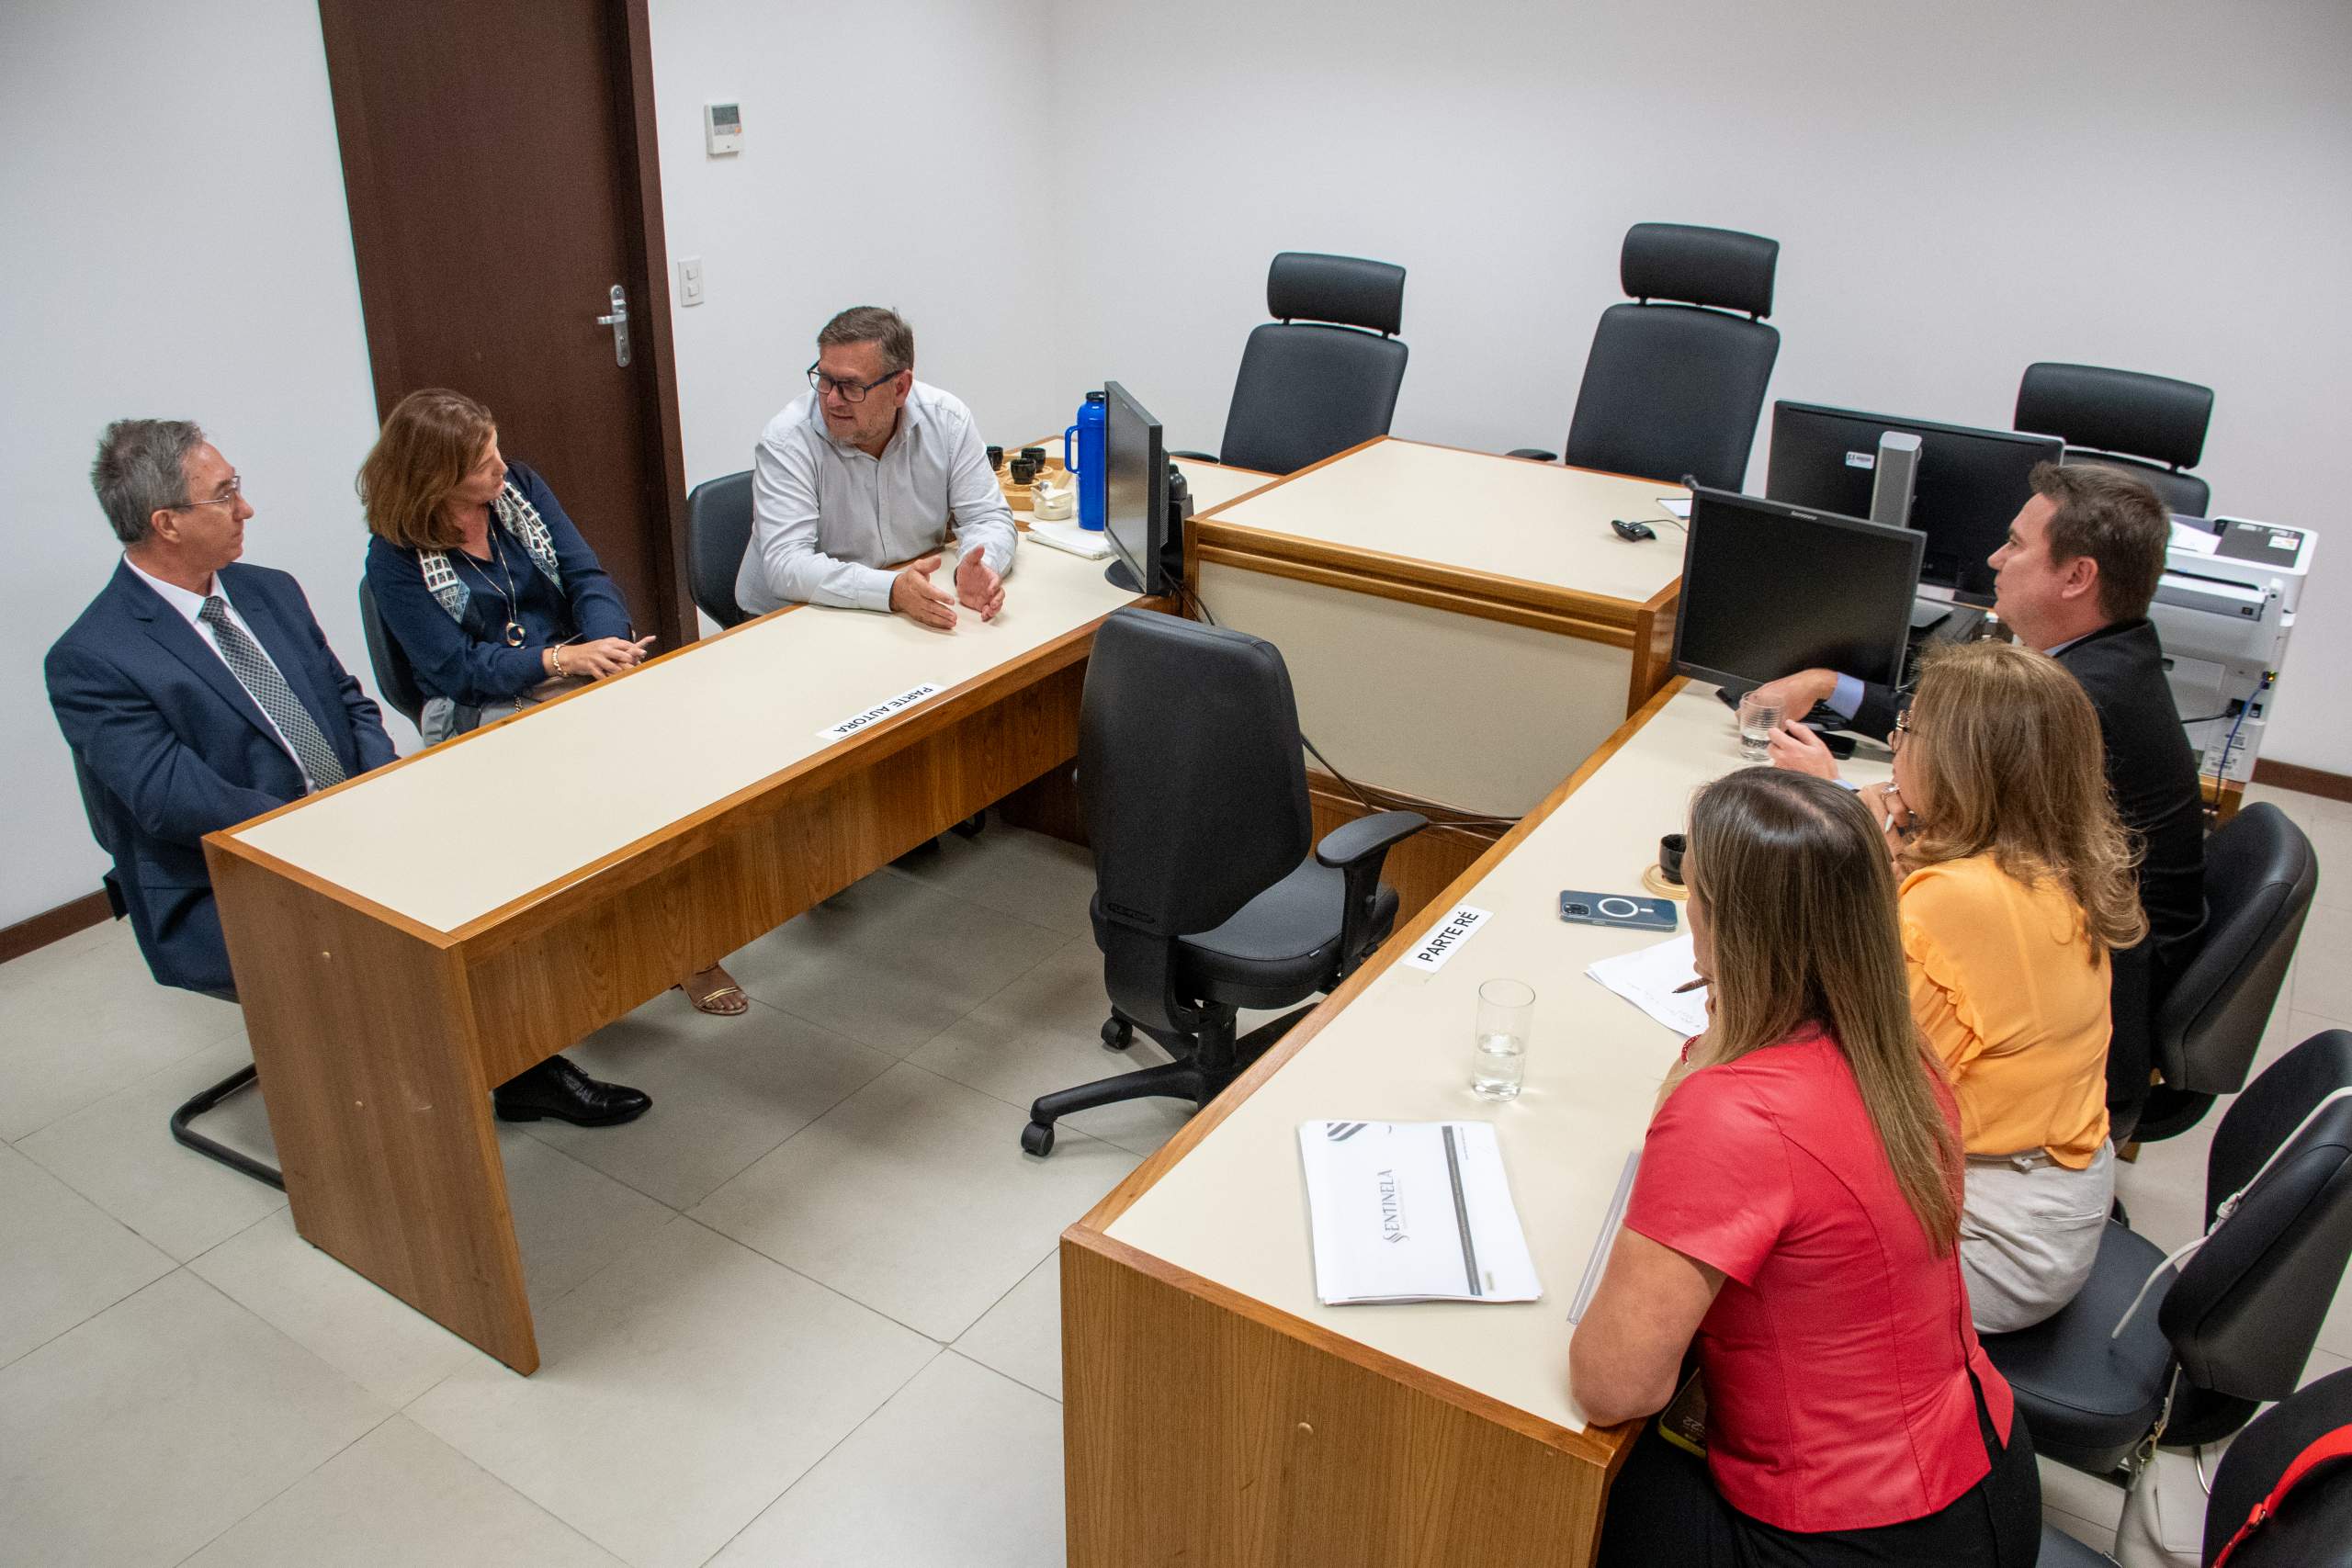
395 677
2260 873
1673 389
1207 898
2310 1528
718 532
1323 376
182 1120
2150 426
2234 1324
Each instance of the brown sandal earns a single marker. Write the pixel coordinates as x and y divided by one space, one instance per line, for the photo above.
716 1001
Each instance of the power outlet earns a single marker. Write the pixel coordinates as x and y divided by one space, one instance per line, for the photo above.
690 281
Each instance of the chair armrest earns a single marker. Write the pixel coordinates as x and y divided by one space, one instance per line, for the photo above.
1349 842
1356 848
1534 453
1198 457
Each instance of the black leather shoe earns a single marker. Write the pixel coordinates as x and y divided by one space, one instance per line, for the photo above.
555 1088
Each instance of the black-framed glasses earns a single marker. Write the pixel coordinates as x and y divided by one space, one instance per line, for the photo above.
228 497
851 391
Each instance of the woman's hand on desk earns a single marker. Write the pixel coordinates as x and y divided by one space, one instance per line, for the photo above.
921 601
605 656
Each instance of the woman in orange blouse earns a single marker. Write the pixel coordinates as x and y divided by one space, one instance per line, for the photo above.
2017 885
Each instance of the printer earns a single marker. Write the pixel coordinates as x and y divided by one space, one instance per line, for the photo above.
2224 609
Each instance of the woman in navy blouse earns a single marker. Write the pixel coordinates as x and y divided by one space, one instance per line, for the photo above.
489 589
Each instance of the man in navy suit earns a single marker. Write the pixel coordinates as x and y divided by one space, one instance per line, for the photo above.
196 693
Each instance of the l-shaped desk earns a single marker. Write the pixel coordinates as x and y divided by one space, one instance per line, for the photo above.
1214 1411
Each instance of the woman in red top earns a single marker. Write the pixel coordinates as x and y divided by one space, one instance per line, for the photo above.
1793 1224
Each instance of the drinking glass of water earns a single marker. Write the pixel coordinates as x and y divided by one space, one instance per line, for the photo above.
1498 1061
1757 720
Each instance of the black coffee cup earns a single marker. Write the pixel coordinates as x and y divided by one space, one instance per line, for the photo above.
1669 858
1037 456
1024 469
996 458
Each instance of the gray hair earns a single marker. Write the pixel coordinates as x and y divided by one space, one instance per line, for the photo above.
872 323
141 469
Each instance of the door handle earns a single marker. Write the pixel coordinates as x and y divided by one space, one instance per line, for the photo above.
618 322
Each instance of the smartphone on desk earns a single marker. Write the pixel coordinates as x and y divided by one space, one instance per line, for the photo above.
1617 910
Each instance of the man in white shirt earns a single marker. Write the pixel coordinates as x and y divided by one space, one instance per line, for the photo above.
867 469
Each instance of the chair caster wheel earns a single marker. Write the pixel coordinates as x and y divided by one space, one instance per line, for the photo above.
1038 1138
970 827
1118 1033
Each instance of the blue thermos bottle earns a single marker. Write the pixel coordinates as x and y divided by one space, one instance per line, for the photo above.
1087 461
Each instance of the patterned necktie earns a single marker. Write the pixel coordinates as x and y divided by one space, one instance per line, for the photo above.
267 687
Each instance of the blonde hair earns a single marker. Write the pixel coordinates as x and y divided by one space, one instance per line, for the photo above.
430 443
1800 900
2008 761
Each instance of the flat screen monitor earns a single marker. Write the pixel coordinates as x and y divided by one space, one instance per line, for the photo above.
1970 484
1135 513
1769 589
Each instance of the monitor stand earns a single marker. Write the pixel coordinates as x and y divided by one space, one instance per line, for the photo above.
1119 574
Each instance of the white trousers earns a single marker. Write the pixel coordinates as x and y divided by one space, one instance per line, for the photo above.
2029 1234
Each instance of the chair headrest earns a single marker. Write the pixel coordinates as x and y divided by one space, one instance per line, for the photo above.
1720 267
1309 286
2116 411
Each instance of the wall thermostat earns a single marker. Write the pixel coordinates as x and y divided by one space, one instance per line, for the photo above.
722 128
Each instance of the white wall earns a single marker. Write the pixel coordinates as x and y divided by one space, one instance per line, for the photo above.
175 245
1957 190
883 146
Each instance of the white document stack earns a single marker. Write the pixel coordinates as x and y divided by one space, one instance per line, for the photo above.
1413 1211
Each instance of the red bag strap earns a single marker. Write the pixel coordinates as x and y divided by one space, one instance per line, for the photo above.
2327 1448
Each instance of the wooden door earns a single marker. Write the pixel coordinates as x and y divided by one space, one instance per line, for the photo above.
498 162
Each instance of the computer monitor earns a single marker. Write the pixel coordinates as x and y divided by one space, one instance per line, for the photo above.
1135 513
1970 483
1769 589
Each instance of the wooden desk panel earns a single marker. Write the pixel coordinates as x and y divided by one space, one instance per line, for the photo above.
1218 1216
379 1036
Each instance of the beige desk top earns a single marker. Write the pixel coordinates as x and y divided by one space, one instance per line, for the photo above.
1233 1209
462 831
1476 512
1213 485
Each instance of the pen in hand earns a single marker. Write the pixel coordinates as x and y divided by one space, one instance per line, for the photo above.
1690 985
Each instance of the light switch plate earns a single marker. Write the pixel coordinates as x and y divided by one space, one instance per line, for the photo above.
690 281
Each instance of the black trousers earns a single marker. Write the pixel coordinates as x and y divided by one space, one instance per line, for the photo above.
1664 1510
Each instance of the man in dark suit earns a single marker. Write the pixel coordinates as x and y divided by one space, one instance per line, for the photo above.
2075 580
196 693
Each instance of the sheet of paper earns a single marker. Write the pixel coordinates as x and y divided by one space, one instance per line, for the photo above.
1648 977
1413 1211
1606 1243
2197 541
1677 506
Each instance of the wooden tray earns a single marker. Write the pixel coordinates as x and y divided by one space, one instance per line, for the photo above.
1017 496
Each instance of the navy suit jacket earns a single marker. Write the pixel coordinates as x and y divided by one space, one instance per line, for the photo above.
171 747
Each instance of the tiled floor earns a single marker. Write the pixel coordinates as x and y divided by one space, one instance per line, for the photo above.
805 1312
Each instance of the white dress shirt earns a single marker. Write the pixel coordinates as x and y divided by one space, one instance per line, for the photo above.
190 607
826 518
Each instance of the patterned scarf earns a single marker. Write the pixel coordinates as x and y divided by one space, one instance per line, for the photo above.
521 520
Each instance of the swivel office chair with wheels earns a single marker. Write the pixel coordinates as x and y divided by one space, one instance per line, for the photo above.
395 677
2260 873
2311 1527
98 805
1324 375
2150 426
1211 894
719 530
1675 382
2234 1324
